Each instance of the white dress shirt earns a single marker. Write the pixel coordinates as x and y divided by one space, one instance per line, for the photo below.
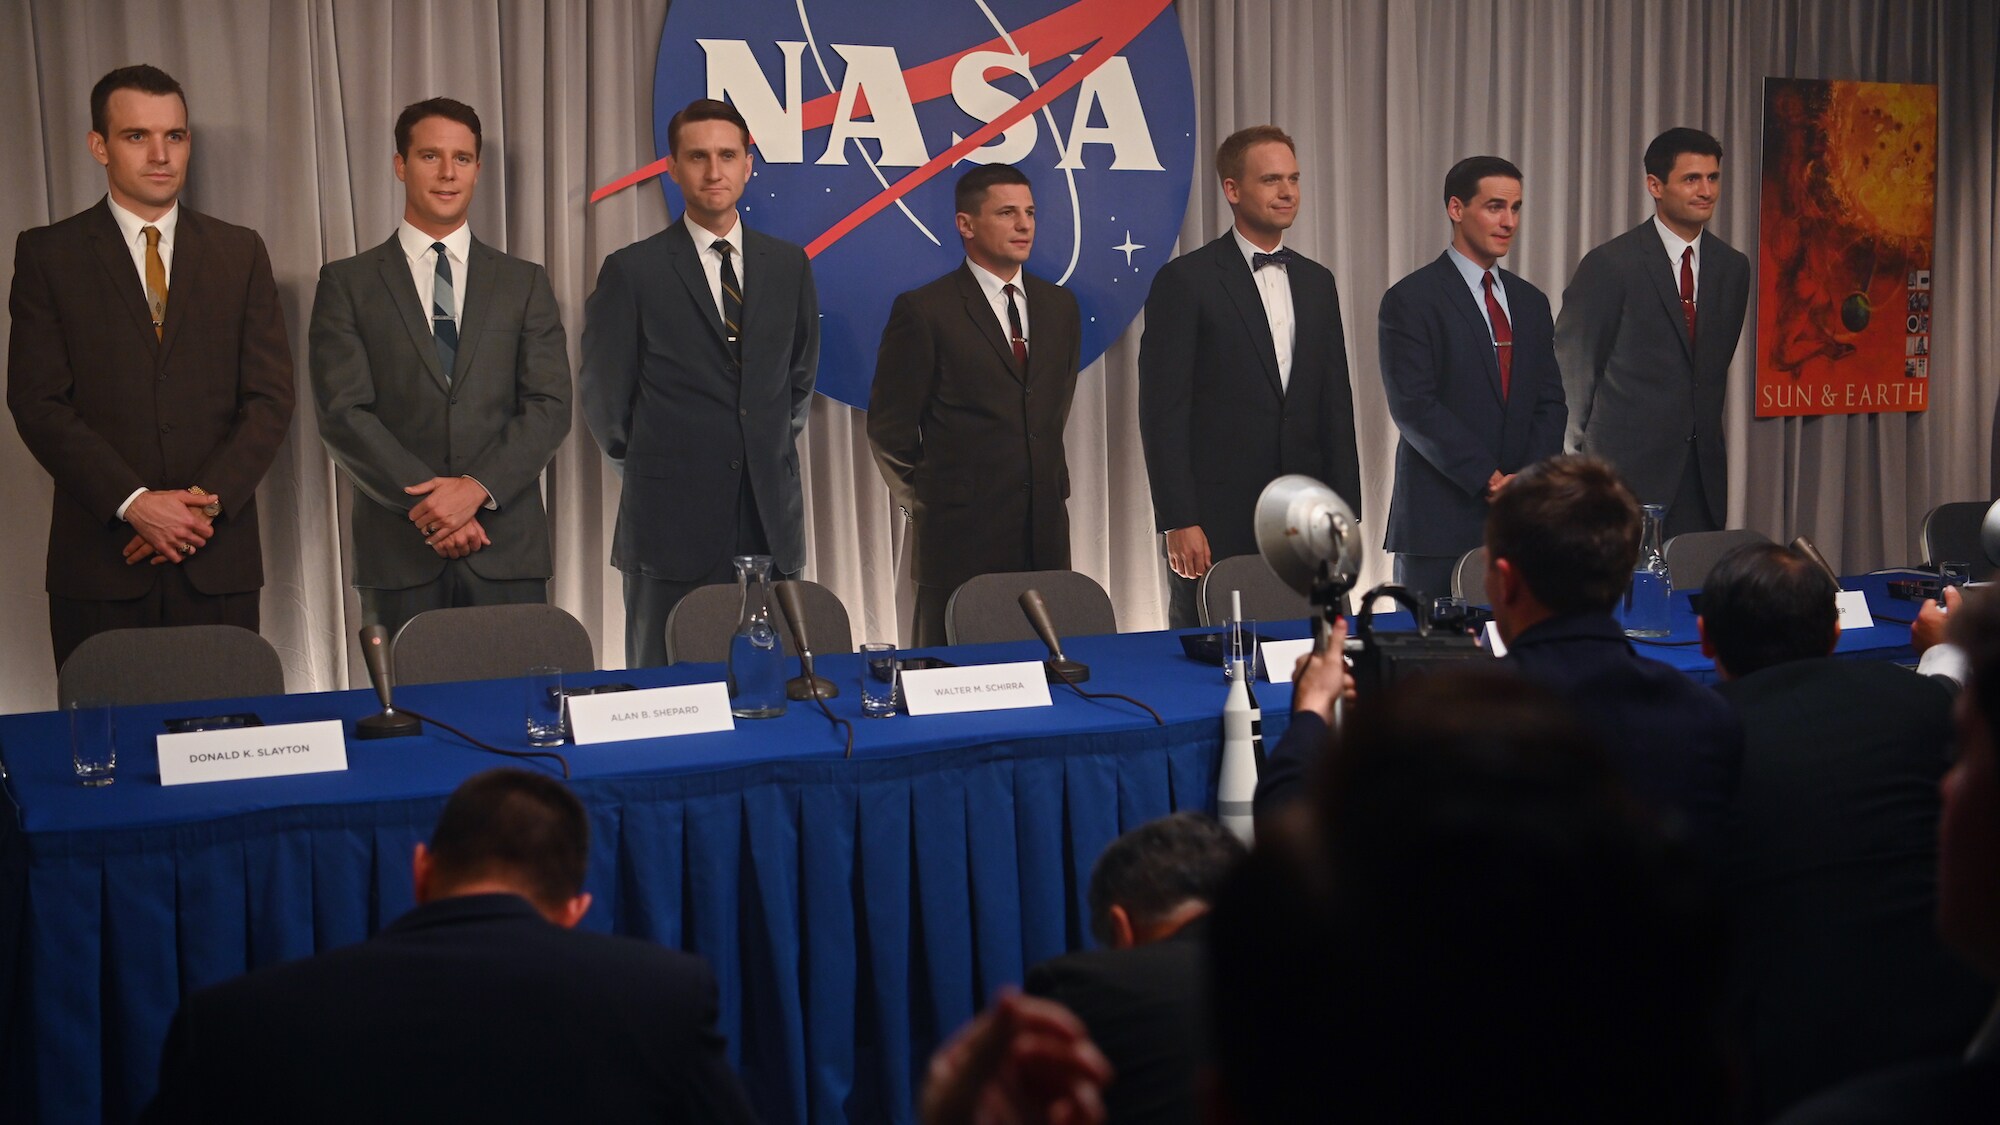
1675 244
711 262
133 229
1274 285
993 285
1472 273
423 265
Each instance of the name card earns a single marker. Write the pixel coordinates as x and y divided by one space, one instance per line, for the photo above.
650 713
979 687
1853 608
244 752
1279 656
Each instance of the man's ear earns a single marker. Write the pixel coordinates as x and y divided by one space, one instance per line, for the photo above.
1701 630
571 912
1122 935
420 873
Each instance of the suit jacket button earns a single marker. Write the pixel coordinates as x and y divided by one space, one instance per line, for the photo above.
453 400
166 427
742 412
736 464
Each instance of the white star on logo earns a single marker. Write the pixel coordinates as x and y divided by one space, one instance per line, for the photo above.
1127 247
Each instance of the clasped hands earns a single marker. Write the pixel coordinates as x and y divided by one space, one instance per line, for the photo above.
447 515
170 524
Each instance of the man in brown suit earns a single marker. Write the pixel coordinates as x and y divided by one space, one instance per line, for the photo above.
149 372
973 383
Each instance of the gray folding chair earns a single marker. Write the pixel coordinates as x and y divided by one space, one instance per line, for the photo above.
1951 534
1692 555
699 628
1468 578
988 608
489 642
1265 595
167 665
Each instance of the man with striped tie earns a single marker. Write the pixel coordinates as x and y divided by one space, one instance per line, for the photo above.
442 379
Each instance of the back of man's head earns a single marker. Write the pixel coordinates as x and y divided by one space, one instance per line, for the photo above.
1570 528
1969 827
1158 868
1473 890
1765 604
524 830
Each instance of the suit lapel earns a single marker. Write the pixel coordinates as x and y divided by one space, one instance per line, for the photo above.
190 248
394 269
1653 257
755 279
120 279
480 267
1047 353
1475 317
980 311
1241 286
1708 301
680 247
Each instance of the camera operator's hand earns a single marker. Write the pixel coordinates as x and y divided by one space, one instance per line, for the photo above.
1319 678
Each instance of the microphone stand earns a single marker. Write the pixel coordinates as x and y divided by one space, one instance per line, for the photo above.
390 723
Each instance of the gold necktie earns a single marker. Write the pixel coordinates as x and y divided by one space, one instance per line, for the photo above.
156 281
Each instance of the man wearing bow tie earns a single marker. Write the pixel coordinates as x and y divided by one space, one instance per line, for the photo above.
1242 372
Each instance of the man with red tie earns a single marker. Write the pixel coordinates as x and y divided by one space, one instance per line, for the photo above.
1469 367
1649 324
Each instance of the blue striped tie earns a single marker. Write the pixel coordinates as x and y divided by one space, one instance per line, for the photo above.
442 324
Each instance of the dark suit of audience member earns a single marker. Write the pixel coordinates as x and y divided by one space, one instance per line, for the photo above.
1466 423
394 416
1141 994
1831 849
1647 372
968 437
1223 410
120 409
701 418
482 1004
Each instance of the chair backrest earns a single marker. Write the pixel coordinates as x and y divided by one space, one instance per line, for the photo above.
988 608
1691 555
1951 534
1468 578
1265 595
170 664
489 642
702 623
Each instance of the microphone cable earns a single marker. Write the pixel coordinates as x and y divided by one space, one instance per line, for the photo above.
1075 687
489 747
812 685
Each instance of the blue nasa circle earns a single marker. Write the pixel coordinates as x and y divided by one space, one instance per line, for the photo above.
1100 231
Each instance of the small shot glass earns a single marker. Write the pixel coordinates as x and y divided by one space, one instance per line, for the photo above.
545 706
93 743
878 679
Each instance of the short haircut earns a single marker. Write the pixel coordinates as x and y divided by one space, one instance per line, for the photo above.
970 194
1668 147
1462 182
525 828
143 78
1469 881
1230 156
448 108
1153 869
704 109
1975 627
1571 529
1767 604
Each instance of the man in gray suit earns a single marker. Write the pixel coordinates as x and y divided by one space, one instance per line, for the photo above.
442 379
699 349
1649 324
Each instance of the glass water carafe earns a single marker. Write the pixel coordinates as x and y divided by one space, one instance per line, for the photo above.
1648 605
756 661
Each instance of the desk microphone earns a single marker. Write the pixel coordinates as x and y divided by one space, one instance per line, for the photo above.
391 723
1805 547
807 684
1059 668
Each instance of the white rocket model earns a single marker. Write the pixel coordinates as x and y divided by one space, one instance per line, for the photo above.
1236 781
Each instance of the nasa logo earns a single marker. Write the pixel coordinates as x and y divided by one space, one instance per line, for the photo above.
865 113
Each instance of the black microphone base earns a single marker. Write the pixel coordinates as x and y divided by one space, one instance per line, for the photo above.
1065 671
801 688
388 724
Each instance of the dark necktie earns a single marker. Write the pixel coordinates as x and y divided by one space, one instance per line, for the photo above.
1278 257
442 325
1687 289
1503 334
1014 327
732 302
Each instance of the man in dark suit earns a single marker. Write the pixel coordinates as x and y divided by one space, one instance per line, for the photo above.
1242 372
442 379
699 349
1963 1086
973 384
1561 539
156 417
1831 848
1649 324
1140 993
1469 366
482 1004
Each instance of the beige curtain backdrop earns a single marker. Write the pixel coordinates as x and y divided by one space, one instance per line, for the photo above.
292 103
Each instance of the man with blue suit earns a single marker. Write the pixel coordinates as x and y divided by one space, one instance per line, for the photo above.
1469 366
700 346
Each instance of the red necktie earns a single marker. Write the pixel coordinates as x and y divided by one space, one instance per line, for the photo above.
1687 289
1014 328
1503 334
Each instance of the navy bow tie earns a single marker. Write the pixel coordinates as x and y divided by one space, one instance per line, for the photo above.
1282 257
